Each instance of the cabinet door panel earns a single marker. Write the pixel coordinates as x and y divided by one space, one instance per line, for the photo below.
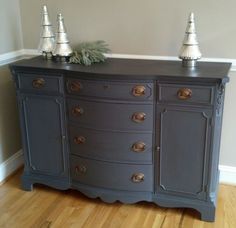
44 134
184 150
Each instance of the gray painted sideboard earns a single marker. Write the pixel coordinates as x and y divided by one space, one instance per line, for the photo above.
126 130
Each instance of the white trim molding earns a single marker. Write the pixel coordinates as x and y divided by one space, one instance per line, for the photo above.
24 53
171 58
16 55
227 174
11 57
11 165
28 52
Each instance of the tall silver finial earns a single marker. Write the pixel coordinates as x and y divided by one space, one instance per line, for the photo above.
47 37
62 47
190 51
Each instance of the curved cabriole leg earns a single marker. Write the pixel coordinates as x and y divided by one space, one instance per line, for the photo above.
26 184
208 214
206 210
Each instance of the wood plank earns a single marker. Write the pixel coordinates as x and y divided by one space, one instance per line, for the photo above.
45 207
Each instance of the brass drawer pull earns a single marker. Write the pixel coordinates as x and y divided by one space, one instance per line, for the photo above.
77 111
137 177
184 93
139 147
38 83
138 117
75 86
138 91
80 169
79 140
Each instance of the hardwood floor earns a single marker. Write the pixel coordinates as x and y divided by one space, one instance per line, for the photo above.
45 207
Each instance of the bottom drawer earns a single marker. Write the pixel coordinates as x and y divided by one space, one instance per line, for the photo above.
112 175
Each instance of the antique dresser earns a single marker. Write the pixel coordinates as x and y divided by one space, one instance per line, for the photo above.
126 130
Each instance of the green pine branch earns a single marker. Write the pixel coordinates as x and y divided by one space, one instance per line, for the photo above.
87 53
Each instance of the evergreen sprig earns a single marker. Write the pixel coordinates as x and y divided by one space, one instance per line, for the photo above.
88 53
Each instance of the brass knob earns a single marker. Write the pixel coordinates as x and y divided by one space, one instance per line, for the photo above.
79 140
137 177
184 93
138 117
75 86
80 169
38 83
138 91
77 111
139 147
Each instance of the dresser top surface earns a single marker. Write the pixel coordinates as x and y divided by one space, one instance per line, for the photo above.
131 68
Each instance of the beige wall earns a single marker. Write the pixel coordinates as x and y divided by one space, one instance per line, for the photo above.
9 127
10 26
10 40
228 141
151 27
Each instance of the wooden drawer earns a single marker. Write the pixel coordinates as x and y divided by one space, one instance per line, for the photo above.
105 115
111 146
40 83
112 175
116 90
185 94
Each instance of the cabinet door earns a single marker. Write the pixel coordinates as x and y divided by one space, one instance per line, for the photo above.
183 152
43 131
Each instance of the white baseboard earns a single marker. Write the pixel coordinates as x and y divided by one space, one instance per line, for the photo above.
227 174
10 165
12 56
31 52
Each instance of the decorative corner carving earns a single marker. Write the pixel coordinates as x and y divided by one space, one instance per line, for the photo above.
32 167
14 76
12 71
163 187
220 98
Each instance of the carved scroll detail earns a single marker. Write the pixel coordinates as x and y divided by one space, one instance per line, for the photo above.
220 98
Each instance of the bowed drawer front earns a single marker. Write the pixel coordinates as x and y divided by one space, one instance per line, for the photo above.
110 145
109 115
139 91
111 175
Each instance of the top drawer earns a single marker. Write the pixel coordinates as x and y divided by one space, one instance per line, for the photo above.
116 90
40 83
185 94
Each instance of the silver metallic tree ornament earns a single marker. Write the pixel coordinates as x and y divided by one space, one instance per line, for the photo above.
62 49
47 37
190 51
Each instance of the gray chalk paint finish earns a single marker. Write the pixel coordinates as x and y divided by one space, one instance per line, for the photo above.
94 130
